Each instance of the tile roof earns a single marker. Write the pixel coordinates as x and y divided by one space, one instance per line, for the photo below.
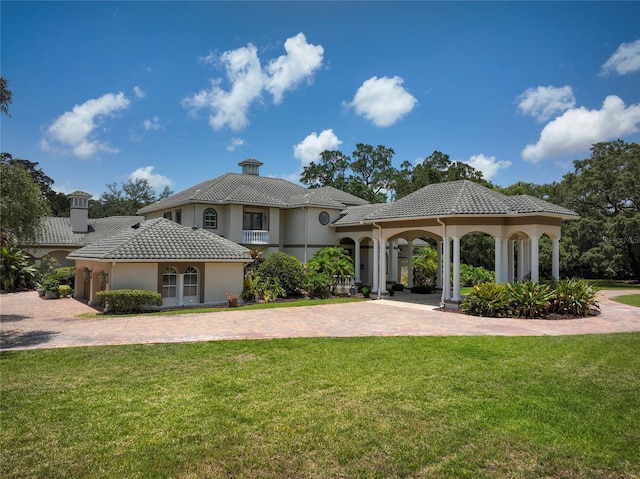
454 198
233 188
58 232
163 240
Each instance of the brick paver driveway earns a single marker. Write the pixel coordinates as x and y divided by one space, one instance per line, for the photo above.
29 322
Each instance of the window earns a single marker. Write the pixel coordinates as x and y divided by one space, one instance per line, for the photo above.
168 215
255 220
210 219
179 217
170 283
190 282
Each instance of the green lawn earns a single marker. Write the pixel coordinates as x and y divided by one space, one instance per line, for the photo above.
452 407
629 299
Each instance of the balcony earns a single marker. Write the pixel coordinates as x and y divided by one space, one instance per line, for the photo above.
255 237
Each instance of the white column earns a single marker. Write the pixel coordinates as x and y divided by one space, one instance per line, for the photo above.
555 258
375 272
180 290
456 268
520 260
505 261
498 260
393 259
511 261
439 272
410 265
446 270
382 285
356 266
527 257
534 259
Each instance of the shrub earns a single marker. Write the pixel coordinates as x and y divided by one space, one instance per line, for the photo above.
263 289
120 301
365 290
16 270
318 285
65 291
422 289
66 275
530 299
472 275
284 268
425 266
488 299
334 261
575 297
51 284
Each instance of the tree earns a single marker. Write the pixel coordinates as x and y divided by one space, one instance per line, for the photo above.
368 173
603 190
6 96
333 261
125 199
22 206
58 202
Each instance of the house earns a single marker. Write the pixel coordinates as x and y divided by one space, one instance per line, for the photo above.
188 266
271 214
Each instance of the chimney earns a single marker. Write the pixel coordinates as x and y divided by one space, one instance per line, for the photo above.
79 211
251 166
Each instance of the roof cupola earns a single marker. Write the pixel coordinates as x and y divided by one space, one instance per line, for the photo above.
251 166
79 216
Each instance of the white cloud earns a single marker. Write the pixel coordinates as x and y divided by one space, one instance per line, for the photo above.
139 92
487 164
384 100
235 143
76 129
248 80
579 128
287 71
626 59
309 149
156 181
544 102
152 124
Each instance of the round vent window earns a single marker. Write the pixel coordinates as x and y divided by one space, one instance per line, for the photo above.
324 218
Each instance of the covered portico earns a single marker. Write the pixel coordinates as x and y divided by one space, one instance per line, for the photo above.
446 212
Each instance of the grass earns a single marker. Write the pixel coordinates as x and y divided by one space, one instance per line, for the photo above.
628 299
612 284
448 407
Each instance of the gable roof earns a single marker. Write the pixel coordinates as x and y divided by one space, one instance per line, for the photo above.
237 188
455 198
160 239
57 231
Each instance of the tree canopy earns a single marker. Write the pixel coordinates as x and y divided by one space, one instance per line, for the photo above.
6 96
125 199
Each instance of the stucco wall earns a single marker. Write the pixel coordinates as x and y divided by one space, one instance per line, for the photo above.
134 276
222 277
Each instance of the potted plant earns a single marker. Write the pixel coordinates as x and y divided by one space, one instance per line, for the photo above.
232 299
51 285
366 291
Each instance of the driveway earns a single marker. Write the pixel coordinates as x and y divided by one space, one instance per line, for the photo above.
29 322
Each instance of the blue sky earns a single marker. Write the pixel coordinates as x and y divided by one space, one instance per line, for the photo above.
180 92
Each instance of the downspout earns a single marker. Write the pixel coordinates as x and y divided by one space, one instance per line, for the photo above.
306 232
381 277
444 238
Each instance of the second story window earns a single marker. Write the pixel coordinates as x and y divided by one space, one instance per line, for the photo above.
179 217
168 215
210 219
255 220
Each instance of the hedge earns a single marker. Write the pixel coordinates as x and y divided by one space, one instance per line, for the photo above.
120 301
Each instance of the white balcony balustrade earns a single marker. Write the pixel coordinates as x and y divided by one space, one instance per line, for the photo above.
255 237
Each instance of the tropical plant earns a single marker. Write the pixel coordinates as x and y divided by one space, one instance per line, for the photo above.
261 289
472 275
318 285
334 261
16 271
488 299
574 296
425 266
284 268
51 284
530 299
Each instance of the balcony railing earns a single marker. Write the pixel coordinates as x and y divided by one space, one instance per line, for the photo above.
255 237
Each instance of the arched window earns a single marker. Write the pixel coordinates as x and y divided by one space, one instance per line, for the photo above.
210 219
190 282
170 283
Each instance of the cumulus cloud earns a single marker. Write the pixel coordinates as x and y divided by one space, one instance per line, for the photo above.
156 181
247 81
75 129
309 149
152 124
626 59
235 143
139 92
487 164
384 100
299 64
578 128
544 102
